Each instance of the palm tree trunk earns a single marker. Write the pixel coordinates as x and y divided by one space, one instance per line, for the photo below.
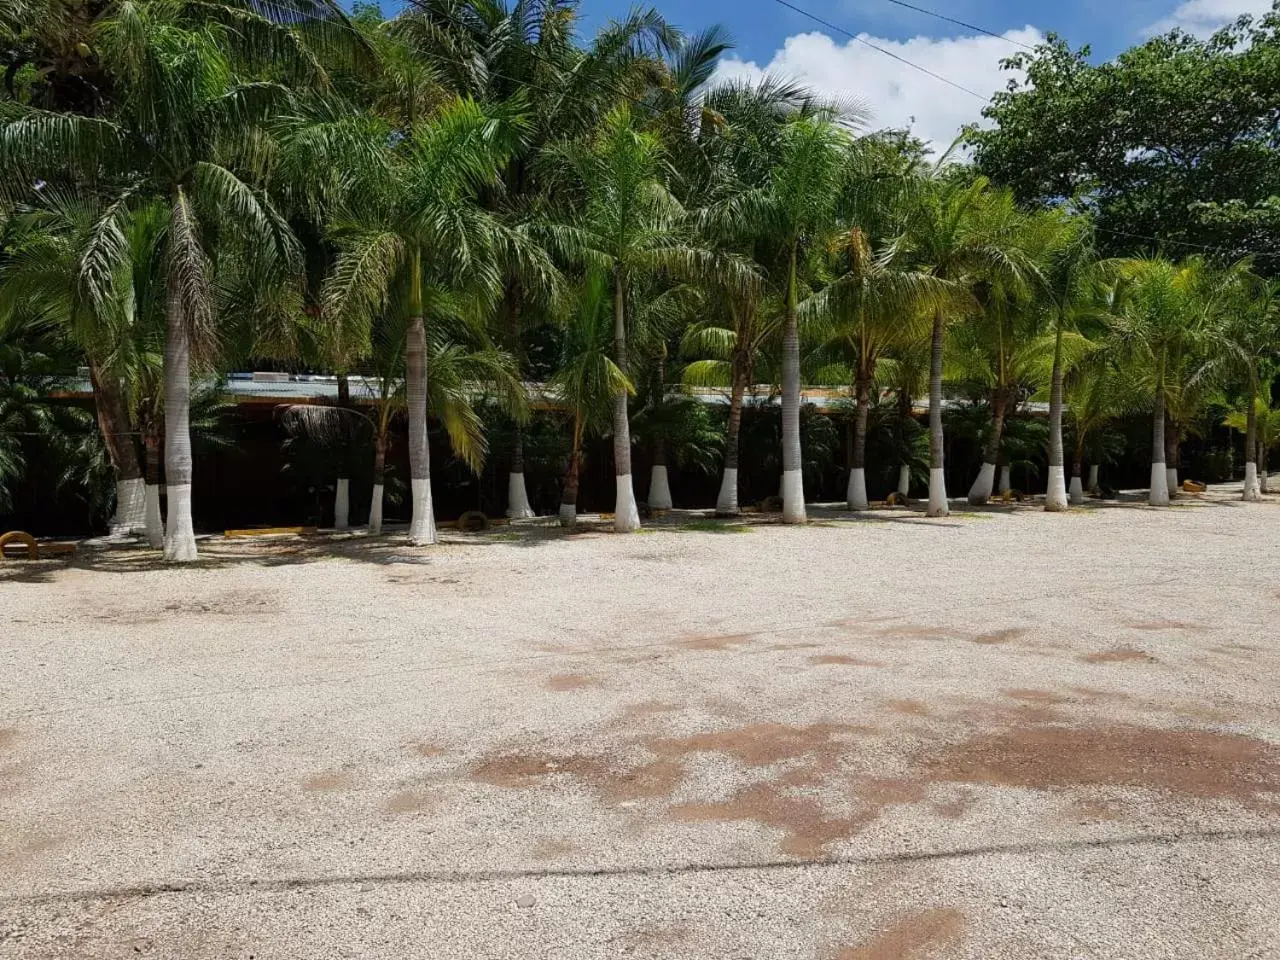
153 444
1251 490
1093 477
659 482
180 537
342 490
727 501
518 506
937 477
626 515
1076 496
122 450
379 474
569 488
980 492
1172 443
1262 467
1158 496
422 521
856 496
1055 497
904 418
792 456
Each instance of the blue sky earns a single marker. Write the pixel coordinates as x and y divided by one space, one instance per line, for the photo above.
771 38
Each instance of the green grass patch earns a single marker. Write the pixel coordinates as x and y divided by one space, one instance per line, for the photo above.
714 526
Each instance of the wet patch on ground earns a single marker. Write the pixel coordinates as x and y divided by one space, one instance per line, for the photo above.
1119 655
918 935
563 682
721 641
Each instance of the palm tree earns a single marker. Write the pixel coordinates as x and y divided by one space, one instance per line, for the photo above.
586 380
525 52
966 233
874 304
800 204
1165 319
172 121
1250 336
628 224
1069 282
412 224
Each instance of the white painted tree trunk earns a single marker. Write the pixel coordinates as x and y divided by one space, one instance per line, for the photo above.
1006 481
1171 480
1093 477
154 523
793 497
422 525
518 507
568 514
938 494
1252 489
857 492
659 488
727 501
1159 494
342 504
1055 496
1262 482
980 492
626 515
180 542
131 507
904 480
375 510
1077 491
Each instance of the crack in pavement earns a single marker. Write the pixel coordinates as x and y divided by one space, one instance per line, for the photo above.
451 877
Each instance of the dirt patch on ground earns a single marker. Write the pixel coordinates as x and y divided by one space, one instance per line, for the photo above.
8 737
839 659
723 641
410 801
762 744
425 748
551 848
1035 696
806 827
996 637
329 780
562 682
1189 763
909 708
613 782
1119 655
921 934
1153 625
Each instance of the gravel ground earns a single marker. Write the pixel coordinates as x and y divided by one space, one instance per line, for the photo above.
1001 735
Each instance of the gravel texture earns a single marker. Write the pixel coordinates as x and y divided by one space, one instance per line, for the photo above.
1005 734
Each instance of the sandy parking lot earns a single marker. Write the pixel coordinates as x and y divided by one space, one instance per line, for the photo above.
1002 735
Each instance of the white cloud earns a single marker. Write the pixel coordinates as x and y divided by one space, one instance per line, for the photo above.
1203 17
898 94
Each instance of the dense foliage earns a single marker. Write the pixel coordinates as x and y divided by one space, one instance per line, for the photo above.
466 215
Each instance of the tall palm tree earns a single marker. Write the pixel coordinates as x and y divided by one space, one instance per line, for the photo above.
798 207
586 380
1166 316
875 303
174 121
966 233
628 223
524 51
412 224
1070 279
1250 335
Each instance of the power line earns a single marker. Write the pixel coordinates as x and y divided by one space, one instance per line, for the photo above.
961 23
888 53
